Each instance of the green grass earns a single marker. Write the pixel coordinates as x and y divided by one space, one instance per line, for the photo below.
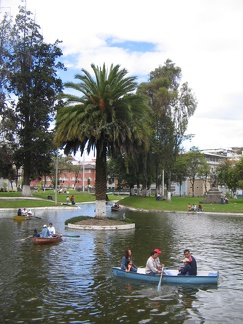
61 198
42 199
76 219
180 204
148 203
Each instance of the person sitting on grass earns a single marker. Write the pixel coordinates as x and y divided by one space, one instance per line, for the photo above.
199 209
189 207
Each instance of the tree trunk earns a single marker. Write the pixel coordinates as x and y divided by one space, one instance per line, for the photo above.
169 188
26 191
26 181
100 188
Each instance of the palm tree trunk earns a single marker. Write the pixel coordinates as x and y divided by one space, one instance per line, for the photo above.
100 186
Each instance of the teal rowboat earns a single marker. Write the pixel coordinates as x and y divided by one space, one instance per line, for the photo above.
170 276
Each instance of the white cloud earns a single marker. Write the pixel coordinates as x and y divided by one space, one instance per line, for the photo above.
202 37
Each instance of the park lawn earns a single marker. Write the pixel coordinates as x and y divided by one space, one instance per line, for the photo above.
147 203
61 198
27 203
42 201
180 204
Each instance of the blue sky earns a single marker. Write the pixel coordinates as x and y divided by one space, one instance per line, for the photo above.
203 37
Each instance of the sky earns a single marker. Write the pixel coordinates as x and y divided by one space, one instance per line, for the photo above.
203 37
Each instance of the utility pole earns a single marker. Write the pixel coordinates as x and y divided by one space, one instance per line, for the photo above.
56 178
83 172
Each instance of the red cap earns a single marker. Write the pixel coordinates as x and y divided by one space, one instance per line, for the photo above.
157 251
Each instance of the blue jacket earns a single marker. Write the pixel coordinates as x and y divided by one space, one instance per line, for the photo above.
124 264
193 265
45 232
186 270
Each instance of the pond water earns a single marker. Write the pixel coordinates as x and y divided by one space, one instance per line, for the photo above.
72 281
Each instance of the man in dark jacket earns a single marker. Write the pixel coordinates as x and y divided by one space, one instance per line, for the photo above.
192 262
186 270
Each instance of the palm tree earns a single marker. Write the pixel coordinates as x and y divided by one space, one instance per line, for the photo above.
108 117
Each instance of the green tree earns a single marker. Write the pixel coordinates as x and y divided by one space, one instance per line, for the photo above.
76 169
173 104
229 175
32 77
179 172
7 169
195 165
204 173
239 171
108 117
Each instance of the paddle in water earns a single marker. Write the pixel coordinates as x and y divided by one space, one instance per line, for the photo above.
160 279
71 235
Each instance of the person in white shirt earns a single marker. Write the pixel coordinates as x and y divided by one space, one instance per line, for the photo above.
152 264
51 229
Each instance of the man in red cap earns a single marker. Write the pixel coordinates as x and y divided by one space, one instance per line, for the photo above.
157 260
153 264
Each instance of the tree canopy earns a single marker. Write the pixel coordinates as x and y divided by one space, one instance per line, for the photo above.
30 78
108 116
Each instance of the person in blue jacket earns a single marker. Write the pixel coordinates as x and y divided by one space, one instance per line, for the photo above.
186 270
125 261
192 261
45 232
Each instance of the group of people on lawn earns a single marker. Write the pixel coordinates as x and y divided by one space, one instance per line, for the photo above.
154 266
194 208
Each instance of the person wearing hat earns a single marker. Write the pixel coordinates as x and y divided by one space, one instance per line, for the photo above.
186 270
45 232
157 260
192 261
152 265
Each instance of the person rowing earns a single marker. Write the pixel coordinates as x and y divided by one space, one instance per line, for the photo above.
153 267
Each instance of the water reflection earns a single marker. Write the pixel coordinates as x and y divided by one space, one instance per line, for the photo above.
72 280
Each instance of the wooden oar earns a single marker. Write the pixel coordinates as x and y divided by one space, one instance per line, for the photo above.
26 238
160 279
71 235
35 216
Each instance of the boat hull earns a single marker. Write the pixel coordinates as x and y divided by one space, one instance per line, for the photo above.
46 240
170 276
21 218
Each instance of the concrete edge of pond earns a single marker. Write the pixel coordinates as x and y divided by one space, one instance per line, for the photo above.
101 227
10 212
183 212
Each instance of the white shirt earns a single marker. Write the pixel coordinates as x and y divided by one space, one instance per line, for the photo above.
52 230
157 263
151 265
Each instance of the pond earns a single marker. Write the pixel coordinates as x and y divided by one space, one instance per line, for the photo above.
72 281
